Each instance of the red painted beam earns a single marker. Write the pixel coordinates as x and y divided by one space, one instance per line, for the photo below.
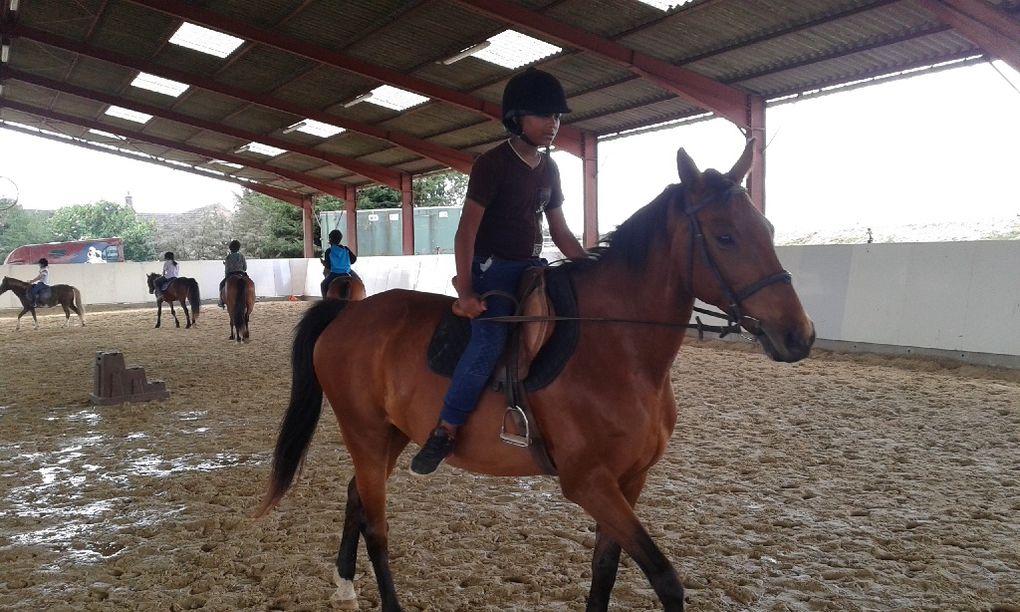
335 188
379 174
290 197
984 24
698 89
458 160
569 138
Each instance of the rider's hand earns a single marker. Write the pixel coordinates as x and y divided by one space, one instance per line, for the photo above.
469 305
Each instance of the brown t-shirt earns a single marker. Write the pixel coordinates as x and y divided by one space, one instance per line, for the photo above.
514 196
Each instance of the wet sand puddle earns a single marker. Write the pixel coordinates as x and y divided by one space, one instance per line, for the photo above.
836 484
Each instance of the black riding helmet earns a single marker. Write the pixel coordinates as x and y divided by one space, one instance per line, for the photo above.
44 262
235 246
532 92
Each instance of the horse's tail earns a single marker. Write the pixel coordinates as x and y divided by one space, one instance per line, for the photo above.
194 298
240 303
80 304
302 414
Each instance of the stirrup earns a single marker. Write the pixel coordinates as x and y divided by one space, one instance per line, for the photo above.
522 419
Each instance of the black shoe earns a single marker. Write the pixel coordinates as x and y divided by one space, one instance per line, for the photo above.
436 448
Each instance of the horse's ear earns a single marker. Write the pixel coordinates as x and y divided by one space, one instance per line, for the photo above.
740 169
687 169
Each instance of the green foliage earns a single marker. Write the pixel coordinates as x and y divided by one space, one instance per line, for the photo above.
440 189
105 219
267 227
19 226
200 234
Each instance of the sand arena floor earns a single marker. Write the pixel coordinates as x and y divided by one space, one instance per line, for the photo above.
835 484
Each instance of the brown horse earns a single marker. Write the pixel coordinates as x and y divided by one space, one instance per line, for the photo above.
239 296
180 289
606 418
67 296
350 288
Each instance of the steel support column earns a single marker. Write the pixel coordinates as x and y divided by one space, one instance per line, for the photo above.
306 226
351 209
590 178
756 180
407 213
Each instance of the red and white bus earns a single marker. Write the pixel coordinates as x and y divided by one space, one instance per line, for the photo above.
93 250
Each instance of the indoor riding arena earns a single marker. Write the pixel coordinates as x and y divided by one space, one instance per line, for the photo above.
837 483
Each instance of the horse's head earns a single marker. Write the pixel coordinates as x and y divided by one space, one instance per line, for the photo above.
732 261
4 285
151 279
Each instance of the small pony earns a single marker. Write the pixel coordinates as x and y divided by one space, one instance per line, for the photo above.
67 296
179 289
239 296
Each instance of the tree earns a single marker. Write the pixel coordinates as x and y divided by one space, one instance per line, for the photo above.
19 226
439 189
104 219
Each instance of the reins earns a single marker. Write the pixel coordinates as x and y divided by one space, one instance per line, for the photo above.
722 330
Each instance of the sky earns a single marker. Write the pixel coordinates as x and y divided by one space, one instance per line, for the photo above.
940 147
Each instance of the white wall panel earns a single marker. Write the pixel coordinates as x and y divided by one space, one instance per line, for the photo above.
954 296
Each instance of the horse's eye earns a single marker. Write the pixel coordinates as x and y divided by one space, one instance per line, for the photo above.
725 240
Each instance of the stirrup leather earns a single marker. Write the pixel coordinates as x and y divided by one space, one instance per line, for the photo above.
516 413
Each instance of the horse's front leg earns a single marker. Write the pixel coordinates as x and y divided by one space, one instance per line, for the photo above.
605 559
159 312
17 326
604 500
35 320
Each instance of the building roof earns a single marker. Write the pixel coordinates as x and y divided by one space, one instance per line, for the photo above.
625 65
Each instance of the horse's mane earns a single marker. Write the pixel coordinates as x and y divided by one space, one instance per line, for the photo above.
631 238
16 282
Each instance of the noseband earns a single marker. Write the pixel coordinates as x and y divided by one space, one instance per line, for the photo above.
733 298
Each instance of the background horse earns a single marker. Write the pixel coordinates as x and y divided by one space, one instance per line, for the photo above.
239 296
606 418
180 289
67 296
350 288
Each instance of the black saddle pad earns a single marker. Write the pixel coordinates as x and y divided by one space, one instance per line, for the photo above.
451 337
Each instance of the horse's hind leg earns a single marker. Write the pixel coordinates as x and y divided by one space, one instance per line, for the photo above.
374 456
187 316
67 315
174 313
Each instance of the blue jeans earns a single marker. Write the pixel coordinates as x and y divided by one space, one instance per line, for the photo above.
488 339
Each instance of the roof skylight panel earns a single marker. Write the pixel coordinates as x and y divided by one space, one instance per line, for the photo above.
261 149
104 134
394 98
511 49
157 84
664 5
313 127
127 113
205 40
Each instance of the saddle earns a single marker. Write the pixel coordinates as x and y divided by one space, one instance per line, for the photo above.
535 354
537 350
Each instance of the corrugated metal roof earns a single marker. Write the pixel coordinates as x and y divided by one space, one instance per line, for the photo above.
757 47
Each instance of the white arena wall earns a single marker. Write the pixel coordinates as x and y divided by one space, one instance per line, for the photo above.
958 300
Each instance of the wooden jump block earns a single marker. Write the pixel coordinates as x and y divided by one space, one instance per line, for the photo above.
115 384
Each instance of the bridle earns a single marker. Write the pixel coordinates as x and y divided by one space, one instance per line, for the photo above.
733 314
734 299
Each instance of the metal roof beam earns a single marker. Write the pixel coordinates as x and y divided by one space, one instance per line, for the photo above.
458 160
721 99
983 23
569 137
290 197
335 188
379 174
